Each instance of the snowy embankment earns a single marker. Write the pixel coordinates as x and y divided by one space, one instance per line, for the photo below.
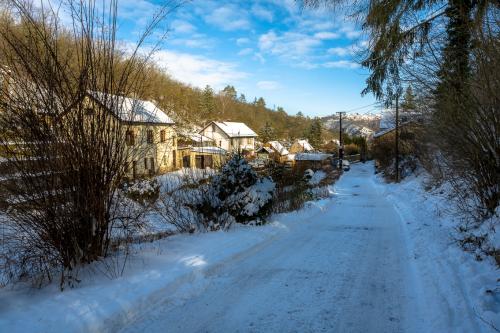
468 287
177 265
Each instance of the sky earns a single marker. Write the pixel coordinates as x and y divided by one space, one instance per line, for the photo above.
299 59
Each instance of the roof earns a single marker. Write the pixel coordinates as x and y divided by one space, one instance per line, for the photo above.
312 156
278 147
195 137
132 110
305 145
234 129
211 150
266 149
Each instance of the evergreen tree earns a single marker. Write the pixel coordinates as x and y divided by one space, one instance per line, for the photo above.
267 133
230 92
242 98
207 103
408 103
260 103
314 133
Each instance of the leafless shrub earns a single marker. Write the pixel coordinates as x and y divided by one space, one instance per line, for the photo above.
65 151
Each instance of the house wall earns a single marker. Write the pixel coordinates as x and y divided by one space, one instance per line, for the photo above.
187 158
223 141
220 138
151 158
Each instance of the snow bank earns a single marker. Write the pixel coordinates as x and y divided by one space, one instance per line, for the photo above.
444 268
154 274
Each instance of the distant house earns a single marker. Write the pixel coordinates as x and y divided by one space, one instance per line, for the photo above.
277 151
149 133
314 161
198 151
231 136
301 146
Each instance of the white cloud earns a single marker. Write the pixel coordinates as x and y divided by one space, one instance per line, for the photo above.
348 50
242 41
268 85
258 56
289 45
351 32
341 64
229 17
245 51
324 35
199 41
198 70
340 51
262 13
182 27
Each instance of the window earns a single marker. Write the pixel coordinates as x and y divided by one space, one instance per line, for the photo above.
174 157
152 164
150 136
146 163
129 138
162 136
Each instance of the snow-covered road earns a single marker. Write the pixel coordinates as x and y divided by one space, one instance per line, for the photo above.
345 269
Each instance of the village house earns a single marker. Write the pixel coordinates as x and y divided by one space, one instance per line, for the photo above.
301 146
150 136
273 150
233 137
195 150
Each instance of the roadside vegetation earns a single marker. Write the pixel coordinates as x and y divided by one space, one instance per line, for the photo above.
440 61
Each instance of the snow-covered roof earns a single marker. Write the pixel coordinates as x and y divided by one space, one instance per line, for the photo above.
311 156
132 110
195 137
266 149
211 150
305 145
234 129
277 146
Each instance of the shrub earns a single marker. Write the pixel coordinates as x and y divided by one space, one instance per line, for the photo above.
237 194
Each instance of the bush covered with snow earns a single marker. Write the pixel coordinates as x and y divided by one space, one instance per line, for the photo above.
143 191
236 194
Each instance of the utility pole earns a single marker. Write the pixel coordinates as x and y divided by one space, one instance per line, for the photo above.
341 143
397 138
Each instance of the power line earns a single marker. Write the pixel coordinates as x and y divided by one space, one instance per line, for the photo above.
359 108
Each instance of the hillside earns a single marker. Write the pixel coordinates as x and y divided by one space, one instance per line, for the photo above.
354 124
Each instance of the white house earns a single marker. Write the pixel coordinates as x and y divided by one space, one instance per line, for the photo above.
231 136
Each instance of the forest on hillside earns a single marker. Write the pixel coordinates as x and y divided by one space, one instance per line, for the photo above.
194 106
190 105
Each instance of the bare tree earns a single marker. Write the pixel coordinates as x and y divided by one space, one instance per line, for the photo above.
64 149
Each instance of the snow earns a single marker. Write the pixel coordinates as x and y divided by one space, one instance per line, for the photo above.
278 147
134 110
312 156
305 145
234 129
211 150
317 177
372 258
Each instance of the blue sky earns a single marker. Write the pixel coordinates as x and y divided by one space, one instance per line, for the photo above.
302 60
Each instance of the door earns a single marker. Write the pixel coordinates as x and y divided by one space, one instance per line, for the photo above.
186 161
